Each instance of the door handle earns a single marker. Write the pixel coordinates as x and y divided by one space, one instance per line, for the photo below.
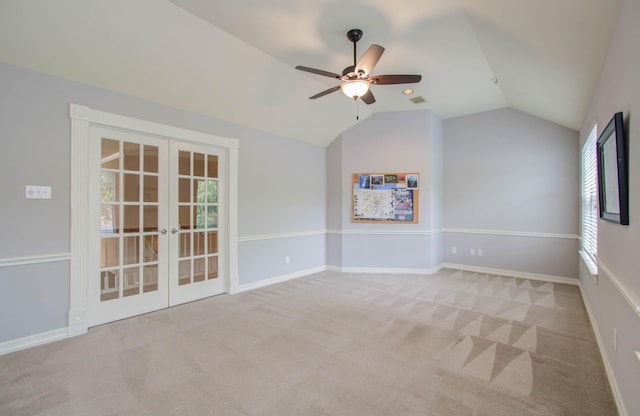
173 231
163 231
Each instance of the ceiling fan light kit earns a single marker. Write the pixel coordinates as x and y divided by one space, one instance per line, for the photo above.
356 79
355 89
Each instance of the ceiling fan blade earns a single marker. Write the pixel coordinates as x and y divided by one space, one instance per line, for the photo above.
318 72
394 79
325 92
368 98
369 59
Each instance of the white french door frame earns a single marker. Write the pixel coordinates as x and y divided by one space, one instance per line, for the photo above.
82 119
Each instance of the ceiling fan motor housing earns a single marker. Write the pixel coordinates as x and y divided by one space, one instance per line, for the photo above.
349 72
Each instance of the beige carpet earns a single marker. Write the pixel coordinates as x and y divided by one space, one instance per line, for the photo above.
454 343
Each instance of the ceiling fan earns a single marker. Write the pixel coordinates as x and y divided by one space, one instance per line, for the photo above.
356 79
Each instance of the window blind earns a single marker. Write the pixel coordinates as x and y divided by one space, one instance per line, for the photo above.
589 217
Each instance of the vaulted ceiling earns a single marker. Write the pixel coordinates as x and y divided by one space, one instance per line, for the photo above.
234 60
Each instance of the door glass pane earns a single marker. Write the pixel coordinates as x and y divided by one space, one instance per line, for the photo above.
212 166
184 221
197 198
131 156
150 218
151 159
131 219
131 250
110 154
198 164
198 216
109 186
199 190
109 252
212 192
184 272
184 159
151 248
131 187
212 217
212 242
198 244
130 277
150 188
185 245
183 190
109 285
212 269
198 270
150 278
109 219
130 205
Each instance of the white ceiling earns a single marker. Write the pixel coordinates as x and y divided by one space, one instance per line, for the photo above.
234 60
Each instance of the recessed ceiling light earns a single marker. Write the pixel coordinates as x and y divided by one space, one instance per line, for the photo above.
407 91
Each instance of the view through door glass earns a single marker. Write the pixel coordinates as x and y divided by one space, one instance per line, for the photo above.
128 219
198 202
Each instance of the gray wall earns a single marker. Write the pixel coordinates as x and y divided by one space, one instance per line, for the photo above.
436 188
387 142
509 177
334 202
618 89
282 191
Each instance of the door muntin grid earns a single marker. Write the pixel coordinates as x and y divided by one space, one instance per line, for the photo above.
198 203
129 207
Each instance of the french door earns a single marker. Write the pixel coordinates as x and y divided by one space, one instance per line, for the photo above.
157 206
195 213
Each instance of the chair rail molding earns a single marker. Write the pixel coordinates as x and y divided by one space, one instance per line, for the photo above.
511 233
632 299
37 259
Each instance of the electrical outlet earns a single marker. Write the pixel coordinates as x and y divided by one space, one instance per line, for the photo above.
472 251
615 340
480 252
287 259
453 250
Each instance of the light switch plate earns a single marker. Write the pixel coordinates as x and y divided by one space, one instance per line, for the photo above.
37 192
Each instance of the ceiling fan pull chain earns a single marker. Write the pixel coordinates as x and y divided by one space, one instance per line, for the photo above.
357 108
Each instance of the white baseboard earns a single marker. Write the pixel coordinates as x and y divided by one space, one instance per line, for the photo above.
384 270
32 340
276 279
512 273
607 366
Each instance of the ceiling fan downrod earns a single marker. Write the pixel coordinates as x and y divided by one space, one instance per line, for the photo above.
354 35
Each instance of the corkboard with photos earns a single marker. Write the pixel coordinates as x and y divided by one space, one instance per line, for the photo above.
385 197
